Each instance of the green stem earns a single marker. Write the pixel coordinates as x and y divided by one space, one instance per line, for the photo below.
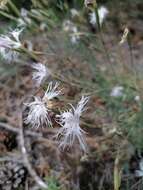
8 16
14 8
103 43
30 53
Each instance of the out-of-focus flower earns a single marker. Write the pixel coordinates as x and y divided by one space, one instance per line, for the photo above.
102 12
139 173
92 18
25 19
137 98
39 109
3 4
67 25
117 91
40 74
23 12
90 3
9 44
43 26
71 132
9 55
75 37
125 36
74 13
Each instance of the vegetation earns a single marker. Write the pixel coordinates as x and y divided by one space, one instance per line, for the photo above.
71 95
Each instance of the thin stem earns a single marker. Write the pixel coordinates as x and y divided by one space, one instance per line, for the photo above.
8 15
14 8
24 153
103 43
30 53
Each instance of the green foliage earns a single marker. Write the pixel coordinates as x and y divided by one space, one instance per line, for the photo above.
52 184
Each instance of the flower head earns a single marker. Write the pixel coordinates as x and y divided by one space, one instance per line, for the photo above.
40 74
137 98
117 91
8 54
67 25
52 91
24 12
70 122
9 43
74 13
38 114
75 37
39 109
102 12
25 19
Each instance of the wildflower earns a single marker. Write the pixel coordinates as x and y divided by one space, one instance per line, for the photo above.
40 74
102 12
3 4
23 12
38 114
74 13
139 173
51 92
25 19
9 45
74 35
40 108
9 55
137 98
70 122
90 3
67 25
117 91
92 17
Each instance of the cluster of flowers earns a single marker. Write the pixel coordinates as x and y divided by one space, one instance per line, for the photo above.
69 120
71 28
40 108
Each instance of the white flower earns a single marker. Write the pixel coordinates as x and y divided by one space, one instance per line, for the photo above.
16 34
74 13
25 19
70 122
9 44
139 173
67 25
52 91
39 109
102 12
23 12
74 35
9 55
3 4
117 91
137 98
92 18
38 114
40 74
